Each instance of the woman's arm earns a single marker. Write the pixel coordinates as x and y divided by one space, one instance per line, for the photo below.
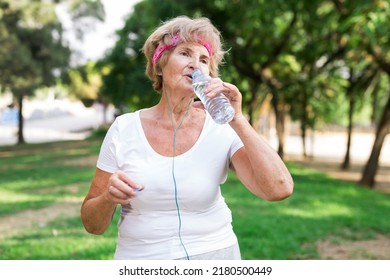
107 190
258 166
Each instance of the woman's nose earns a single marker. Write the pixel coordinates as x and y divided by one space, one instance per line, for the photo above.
194 64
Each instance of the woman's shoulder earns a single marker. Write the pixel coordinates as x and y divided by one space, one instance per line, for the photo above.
127 118
124 123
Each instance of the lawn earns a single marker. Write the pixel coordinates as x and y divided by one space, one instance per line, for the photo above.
35 176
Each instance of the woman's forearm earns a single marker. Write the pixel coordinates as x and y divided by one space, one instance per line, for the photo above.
267 175
96 214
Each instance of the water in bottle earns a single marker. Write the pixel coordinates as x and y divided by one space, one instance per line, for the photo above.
219 106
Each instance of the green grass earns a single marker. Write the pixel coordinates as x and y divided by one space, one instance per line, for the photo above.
35 176
30 174
319 208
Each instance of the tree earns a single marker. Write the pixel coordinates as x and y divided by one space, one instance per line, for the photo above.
257 57
281 44
359 81
32 33
370 22
85 83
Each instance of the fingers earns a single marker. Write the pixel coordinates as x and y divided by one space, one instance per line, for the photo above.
232 92
121 188
216 86
230 87
128 182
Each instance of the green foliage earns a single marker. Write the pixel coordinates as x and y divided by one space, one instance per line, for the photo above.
34 53
32 48
85 83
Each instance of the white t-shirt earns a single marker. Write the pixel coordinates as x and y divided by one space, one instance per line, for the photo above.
149 229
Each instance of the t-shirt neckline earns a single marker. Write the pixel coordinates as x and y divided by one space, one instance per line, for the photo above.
153 151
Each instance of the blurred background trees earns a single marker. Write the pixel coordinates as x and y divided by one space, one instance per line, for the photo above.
34 53
313 62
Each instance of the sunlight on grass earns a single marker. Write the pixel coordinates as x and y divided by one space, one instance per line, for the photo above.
324 210
8 196
15 202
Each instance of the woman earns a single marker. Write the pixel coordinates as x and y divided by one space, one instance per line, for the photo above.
164 164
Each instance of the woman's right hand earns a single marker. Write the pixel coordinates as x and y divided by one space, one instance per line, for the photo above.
121 188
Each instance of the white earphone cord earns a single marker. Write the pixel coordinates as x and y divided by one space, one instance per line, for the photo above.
173 167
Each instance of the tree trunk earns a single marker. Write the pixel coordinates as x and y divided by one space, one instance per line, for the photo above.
303 136
105 109
304 123
279 119
370 169
255 99
251 107
374 105
21 121
347 159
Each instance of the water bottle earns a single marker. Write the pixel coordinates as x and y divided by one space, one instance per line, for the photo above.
219 106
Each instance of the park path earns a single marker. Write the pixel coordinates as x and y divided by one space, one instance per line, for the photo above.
33 218
13 224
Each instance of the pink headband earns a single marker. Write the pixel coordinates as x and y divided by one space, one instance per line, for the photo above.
175 39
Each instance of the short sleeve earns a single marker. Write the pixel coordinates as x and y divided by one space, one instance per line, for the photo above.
107 157
235 146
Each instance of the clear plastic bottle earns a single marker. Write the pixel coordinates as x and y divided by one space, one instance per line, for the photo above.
218 107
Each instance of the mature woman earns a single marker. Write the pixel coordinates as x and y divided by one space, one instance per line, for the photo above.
164 165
